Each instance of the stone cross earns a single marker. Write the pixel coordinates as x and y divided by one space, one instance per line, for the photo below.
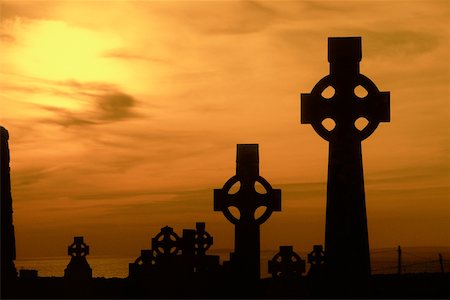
147 258
353 98
78 267
316 259
143 266
286 264
247 200
317 256
203 240
78 248
166 242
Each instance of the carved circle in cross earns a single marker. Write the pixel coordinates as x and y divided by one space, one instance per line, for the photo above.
166 242
345 107
317 256
203 240
78 249
247 200
147 258
286 264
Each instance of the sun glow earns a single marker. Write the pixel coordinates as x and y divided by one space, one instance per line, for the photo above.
55 50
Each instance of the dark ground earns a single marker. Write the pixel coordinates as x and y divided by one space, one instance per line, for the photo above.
393 286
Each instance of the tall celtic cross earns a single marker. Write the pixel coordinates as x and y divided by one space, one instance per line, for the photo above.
346 236
246 258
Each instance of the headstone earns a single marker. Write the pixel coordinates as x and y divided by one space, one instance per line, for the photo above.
78 267
188 242
143 266
316 259
246 258
286 264
167 242
8 243
346 234
203 240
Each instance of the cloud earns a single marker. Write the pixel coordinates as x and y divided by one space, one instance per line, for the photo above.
401 42
30 176
224 18
115 107
102 102
129 55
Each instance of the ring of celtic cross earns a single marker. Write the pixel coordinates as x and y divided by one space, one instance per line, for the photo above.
147 258
255 200
345 107
282 264
167 242
78 250
203 240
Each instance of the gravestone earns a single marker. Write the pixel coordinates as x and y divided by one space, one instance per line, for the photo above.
78 268
316 259
8 242
286 264
143 267
345 97
203 240
166 242
246 257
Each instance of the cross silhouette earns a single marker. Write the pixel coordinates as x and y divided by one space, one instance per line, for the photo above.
78 248
317 257
147 258
346 235
247 200
345 107
286 264
203 240
166 242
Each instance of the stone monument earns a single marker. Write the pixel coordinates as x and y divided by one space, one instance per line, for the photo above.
8 243
353 97
246 257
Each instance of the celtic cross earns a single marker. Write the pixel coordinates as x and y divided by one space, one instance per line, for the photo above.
166 242
78 248
203 240
78 267
247 200
346 236
286 264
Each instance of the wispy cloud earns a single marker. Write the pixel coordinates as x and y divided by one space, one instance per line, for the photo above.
129 55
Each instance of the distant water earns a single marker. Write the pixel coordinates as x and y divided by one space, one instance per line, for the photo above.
383 261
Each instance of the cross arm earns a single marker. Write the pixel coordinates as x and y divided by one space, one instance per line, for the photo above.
314 109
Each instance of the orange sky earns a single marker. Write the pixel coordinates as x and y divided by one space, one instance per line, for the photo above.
125 115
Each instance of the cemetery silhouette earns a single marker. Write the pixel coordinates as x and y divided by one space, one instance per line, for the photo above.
179 266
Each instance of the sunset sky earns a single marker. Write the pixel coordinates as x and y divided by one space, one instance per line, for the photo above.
124 116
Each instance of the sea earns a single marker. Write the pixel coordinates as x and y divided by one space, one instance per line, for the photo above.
383 261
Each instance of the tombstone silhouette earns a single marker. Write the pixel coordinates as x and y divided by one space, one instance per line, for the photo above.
246 256
346 236
286 264
166 242
143 266
203 240
316 259
8 243
78 267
